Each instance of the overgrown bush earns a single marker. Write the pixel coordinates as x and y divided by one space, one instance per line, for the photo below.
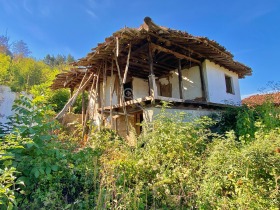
245 121
241 176
40 172
175 164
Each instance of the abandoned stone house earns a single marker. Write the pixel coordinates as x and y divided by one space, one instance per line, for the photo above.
133 70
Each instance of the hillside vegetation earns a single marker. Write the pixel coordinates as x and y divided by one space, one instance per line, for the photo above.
230 162
173 164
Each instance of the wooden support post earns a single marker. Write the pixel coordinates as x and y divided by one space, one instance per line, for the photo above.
97 95
111 94
83 107
152 81
127 64
71 95
103 91
180 79
122 95
203 88
94 102
85 126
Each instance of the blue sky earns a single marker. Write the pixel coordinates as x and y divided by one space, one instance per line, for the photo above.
250 29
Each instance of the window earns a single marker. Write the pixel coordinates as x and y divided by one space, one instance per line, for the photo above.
128 91
229 86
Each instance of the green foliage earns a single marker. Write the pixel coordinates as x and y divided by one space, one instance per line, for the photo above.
78 105
237 176
8 182
58 60
59 98
176 163
5 62
245 121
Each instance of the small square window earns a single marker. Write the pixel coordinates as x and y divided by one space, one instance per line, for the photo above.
229 86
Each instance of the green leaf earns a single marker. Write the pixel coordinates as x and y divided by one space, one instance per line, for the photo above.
54 167
37 173
41 170
7 163
48 170
10 206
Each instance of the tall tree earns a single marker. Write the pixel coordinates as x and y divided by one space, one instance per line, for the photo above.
70 59
20 49
5 45
49 60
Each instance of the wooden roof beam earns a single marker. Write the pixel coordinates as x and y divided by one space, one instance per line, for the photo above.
176 54
177 45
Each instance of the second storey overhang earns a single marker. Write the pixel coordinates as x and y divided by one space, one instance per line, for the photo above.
166 46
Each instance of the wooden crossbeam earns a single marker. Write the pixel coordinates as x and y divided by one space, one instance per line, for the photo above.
176 54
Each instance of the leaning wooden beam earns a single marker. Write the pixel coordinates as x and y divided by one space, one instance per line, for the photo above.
176 54
94 101
71 95
97 93
83 107
122 94
111 94
73 99
127 64
103 90
117 47
88 107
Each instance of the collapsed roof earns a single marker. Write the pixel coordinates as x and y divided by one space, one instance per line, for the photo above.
167 45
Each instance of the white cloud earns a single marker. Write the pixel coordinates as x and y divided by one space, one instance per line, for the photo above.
91 13
27 7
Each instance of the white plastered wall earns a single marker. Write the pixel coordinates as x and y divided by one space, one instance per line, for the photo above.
214 76
7 98
107 91
191 83
140 89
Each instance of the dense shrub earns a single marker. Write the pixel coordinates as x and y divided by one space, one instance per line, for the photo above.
173 164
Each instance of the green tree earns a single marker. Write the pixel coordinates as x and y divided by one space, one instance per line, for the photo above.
5 62
70 59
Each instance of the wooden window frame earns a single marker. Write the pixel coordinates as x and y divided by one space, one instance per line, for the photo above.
229 84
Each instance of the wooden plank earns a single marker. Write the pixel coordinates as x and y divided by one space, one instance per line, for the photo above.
162 98
85 128
111 94
118 113
203 88
180 79
152 82
122 93
176 54
177 45
131 102
127 64
103 89
151 58
73 99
